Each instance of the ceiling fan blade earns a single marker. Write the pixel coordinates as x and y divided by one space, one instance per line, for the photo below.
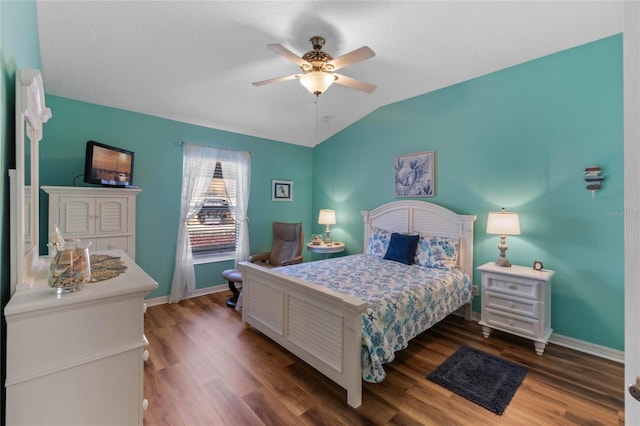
276 80
352 57
354 84
281 50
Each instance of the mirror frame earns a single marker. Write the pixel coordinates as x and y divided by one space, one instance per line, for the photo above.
31 114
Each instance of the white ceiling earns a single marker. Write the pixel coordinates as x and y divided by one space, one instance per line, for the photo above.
194 61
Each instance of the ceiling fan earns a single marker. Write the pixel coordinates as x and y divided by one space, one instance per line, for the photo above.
318 67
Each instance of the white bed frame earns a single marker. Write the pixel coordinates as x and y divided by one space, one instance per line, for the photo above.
323 327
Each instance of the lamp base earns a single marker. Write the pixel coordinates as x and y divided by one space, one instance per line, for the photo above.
503 262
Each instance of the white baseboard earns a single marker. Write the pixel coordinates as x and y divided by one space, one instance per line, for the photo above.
579 345
589 348
199 292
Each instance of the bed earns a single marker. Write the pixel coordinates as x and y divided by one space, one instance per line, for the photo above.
338 325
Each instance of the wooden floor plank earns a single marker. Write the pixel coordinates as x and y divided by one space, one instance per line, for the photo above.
204 369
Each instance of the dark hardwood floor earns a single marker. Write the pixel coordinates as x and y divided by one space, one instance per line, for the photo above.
205 370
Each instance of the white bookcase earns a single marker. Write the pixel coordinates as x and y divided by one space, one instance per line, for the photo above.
106 216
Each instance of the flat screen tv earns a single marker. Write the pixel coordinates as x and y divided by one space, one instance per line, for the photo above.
107 165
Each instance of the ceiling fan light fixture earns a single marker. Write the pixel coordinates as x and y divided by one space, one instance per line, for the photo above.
317 82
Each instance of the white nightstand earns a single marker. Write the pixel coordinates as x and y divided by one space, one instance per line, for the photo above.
517 300
326 249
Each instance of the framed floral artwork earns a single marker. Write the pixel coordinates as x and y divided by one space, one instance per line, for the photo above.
281 190
414 175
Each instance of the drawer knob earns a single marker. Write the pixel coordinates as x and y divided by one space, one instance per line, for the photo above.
510 322
513 287
512 305
145 356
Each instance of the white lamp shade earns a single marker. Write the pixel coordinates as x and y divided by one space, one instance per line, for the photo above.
503 223
327 217
317 82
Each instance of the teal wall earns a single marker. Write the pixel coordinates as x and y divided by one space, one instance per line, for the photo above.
158 172
19 47
520 139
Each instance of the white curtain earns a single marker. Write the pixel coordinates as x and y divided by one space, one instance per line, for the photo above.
198 167
242 163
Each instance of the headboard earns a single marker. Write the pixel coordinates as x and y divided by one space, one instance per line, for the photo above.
412 216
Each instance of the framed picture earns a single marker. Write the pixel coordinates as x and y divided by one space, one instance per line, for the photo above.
414 176
281 190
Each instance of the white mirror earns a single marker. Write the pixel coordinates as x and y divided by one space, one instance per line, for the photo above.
31 113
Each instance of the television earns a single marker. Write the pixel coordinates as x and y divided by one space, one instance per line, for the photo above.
107 165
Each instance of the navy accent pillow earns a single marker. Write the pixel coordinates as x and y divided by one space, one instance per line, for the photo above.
402 248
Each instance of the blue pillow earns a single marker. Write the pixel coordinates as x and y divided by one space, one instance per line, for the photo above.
402 248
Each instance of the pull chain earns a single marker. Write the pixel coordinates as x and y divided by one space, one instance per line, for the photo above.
317 100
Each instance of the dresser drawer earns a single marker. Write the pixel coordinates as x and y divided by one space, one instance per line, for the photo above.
502 302
523 326
518 287
81 333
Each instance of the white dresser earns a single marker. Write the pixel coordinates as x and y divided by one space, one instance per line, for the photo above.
517 300
77 358
106 216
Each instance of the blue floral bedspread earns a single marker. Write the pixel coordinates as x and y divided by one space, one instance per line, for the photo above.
403 300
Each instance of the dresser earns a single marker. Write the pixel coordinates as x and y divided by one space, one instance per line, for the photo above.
106 216
78 358
517 300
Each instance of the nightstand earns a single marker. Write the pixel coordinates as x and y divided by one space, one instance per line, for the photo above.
517 300
326 249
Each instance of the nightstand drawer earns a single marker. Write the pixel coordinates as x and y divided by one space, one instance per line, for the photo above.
523 326
502 302
517 287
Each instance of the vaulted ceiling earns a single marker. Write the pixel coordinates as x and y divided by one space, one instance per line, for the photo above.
194 61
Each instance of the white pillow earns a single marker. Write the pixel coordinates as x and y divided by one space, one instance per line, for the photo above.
438 252
378 242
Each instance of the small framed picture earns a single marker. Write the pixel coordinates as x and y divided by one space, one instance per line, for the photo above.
537 265
281 190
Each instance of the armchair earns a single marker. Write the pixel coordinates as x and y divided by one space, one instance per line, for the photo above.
286 247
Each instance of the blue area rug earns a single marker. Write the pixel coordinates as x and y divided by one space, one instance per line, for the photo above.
482 378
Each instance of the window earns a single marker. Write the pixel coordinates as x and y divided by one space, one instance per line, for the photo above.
213 231
222 223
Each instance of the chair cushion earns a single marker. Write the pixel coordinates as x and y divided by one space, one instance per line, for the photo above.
233 275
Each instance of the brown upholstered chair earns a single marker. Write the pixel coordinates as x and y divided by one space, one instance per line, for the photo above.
286 247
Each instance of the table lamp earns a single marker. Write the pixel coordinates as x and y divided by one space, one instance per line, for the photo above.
503 223
327 217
